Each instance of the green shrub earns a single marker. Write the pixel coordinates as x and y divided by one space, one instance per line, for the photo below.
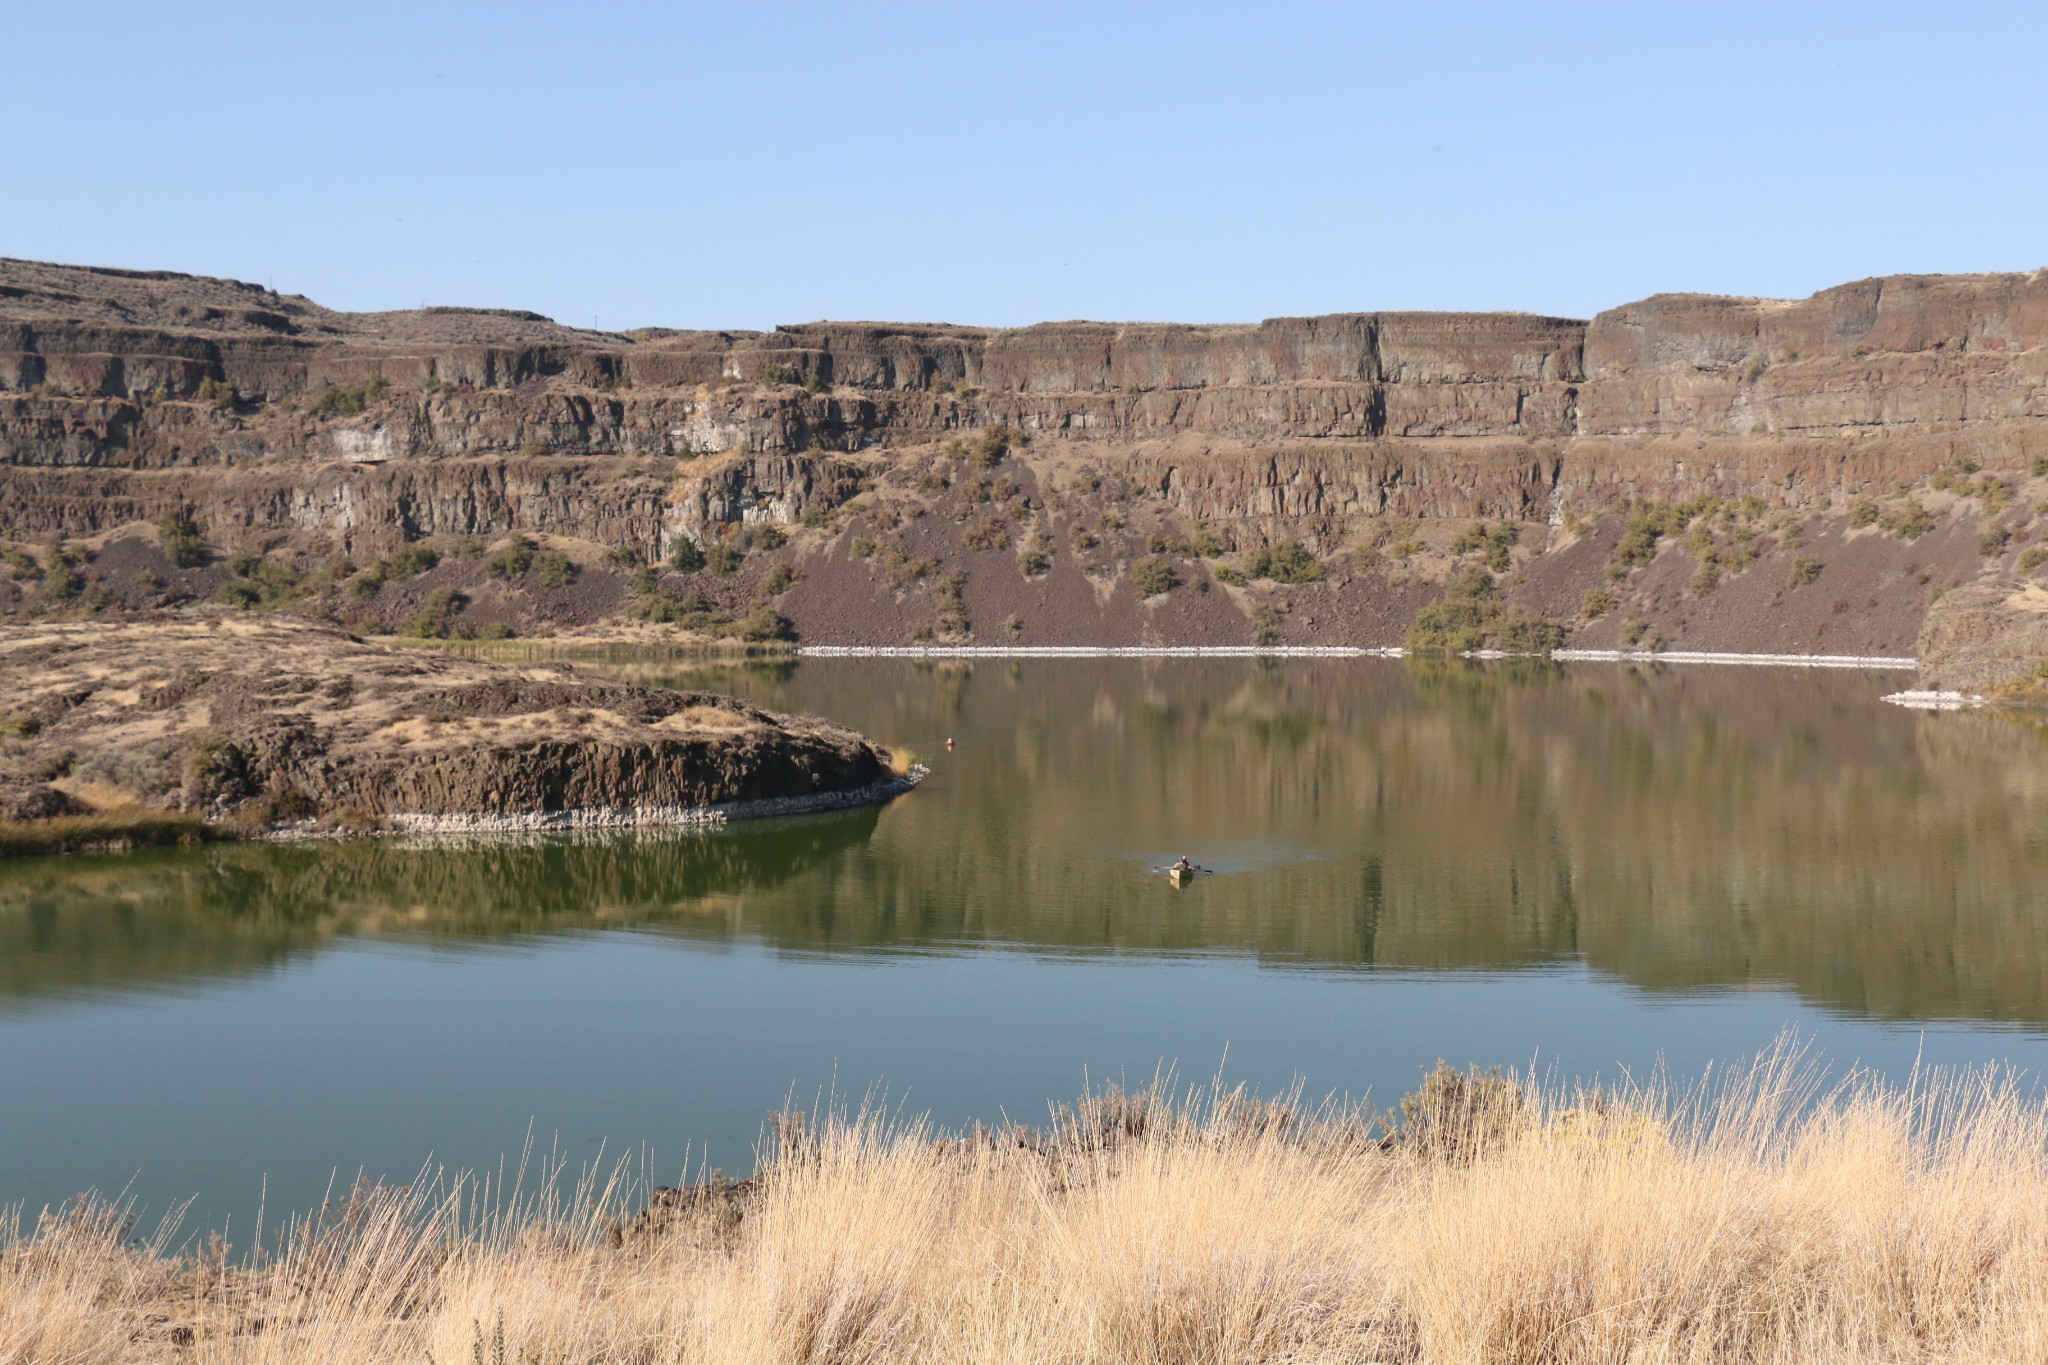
724 560
1205 544
62 580
553 570
1651 523
21 566
624 557
1470 615
991 445
1034 559
405 563
2039 467
1287 562
1227 573
763 538
1994 494
1495 544
986 534
2032 558
685 556
436 617
949 594
183 539
780 580
761 625
513 558
1706 579
1993 540
646 581
1907 523
218 392
903 572
1151 577
1266 625
1804 570
659 608
1598 603
1954 472
863 547
778 374
347 400
1862 511
239 594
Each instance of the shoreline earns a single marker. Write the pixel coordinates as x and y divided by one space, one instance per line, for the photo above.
1672 656
128 832
666 817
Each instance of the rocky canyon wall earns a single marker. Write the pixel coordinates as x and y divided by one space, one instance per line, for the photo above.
127 395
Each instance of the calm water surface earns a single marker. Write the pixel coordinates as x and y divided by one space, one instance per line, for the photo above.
1594 866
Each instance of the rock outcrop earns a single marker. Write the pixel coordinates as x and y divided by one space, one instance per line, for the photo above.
262 721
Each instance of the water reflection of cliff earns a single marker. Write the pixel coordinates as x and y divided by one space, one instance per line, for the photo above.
1677 829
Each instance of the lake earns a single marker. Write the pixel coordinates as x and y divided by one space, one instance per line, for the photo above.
1592 867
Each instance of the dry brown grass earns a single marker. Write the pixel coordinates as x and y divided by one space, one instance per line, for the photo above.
1750 1220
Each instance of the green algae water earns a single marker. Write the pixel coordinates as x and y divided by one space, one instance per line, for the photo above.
1596 868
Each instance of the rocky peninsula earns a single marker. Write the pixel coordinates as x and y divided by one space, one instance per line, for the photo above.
247 724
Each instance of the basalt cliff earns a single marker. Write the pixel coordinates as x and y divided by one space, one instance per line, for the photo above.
1862 471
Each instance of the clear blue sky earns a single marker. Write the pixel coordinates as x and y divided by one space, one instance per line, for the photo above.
744 164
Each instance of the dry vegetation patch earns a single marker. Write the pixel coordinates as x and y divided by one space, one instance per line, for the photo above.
1759 1219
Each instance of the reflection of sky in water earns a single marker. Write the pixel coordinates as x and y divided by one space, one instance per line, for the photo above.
1589 868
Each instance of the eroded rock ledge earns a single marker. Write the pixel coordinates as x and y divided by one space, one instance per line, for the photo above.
258 722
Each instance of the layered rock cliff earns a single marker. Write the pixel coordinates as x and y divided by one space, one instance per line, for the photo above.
1807 440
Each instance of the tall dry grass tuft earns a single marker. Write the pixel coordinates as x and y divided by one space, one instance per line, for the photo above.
1757 1217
